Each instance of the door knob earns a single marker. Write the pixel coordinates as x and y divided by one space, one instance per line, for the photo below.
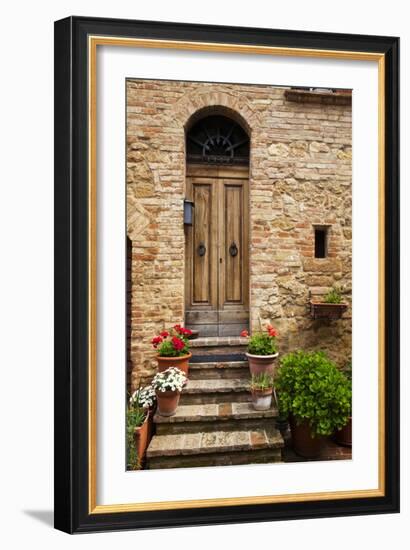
233 250
201 249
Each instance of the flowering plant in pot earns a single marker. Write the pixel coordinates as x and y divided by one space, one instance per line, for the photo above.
331 307
168 385
261 390
173 348
144 398
315 395
139 425
262 351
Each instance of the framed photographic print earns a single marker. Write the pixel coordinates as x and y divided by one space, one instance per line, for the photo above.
226 274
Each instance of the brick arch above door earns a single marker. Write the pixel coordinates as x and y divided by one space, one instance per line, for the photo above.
234 106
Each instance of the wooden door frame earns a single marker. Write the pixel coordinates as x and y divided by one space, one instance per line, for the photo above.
206 171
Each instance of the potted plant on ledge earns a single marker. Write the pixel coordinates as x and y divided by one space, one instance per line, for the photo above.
262 351
168 385
332 307
315 395
261 390
173 348
139 425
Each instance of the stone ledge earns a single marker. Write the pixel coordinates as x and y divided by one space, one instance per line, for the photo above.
321 97
322 265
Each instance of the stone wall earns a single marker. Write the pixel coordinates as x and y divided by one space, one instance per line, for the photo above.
300 176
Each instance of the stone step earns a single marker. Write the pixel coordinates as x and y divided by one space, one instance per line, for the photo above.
219 369
218 341
225 329
215 417
213 356
227 348
215 391
214 448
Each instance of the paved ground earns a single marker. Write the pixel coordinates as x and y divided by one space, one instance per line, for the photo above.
330 451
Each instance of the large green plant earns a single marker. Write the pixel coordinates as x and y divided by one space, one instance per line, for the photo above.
310 387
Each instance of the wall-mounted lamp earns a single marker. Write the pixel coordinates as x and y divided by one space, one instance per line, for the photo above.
188 211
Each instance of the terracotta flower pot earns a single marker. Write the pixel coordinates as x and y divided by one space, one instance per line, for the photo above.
142 437
262 399
259 364
344 436
302 441
167 402
181 363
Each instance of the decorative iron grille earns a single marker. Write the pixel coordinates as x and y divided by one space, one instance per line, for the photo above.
217 139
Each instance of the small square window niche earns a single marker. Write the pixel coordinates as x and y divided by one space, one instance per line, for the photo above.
321 241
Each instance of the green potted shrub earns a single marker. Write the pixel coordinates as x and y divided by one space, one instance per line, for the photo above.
173 348
344 435
139 425
168 385
262 351
331 307
261 390
315 395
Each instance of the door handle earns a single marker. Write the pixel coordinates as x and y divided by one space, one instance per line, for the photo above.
201 249
233 250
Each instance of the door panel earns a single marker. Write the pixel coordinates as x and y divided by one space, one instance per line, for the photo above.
231 279
202 244
201 247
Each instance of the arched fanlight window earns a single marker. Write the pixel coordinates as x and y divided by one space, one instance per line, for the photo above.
217 139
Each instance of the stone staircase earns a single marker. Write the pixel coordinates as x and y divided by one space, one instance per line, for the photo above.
215 423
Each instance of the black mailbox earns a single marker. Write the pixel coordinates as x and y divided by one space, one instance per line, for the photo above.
188 211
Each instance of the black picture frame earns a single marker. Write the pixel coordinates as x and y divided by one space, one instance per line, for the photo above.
72 513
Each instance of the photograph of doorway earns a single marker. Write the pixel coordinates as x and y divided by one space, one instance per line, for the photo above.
239 274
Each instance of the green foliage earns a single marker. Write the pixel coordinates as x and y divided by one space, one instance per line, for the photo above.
334 296
262 343
262 381
311 387
135 418
166 349
347 370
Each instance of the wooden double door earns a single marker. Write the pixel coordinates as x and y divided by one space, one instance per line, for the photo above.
217 255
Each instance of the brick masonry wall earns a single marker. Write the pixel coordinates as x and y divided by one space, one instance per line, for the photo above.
300 176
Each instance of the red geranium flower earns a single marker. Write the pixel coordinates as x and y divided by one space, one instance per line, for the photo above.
244 334
186 331
273 332
178 328
164 334
177 343
155 341
269 327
